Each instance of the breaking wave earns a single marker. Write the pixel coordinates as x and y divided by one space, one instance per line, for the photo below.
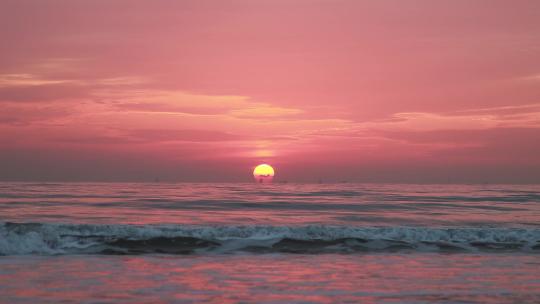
55 239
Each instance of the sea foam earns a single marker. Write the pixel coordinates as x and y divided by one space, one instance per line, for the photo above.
53 239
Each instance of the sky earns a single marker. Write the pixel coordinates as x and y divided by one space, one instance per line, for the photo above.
413 91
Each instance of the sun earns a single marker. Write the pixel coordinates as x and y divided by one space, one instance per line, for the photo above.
263 173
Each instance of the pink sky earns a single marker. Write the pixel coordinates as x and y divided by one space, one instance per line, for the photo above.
373 91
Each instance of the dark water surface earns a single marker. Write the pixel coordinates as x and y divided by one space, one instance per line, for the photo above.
299 243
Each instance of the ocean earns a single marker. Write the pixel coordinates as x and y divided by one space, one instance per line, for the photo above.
269 243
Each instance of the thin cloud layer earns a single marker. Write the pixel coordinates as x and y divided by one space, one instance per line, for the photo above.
348 90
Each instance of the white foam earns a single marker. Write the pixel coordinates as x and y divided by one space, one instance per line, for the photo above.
16 239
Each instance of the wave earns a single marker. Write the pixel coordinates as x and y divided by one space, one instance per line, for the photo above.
55 239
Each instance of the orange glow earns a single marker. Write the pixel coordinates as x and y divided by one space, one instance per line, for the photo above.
325 95
263 173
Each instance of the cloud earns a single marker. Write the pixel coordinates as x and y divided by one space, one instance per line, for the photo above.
530 78
122 81
265 111
526 116
35 88
43 94
172 101
94 140
160 101
184 135
509 109
168 108
29 80
24 114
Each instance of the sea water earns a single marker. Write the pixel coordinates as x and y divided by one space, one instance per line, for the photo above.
270 243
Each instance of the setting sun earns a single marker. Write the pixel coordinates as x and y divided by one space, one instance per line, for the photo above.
404 133
263 173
